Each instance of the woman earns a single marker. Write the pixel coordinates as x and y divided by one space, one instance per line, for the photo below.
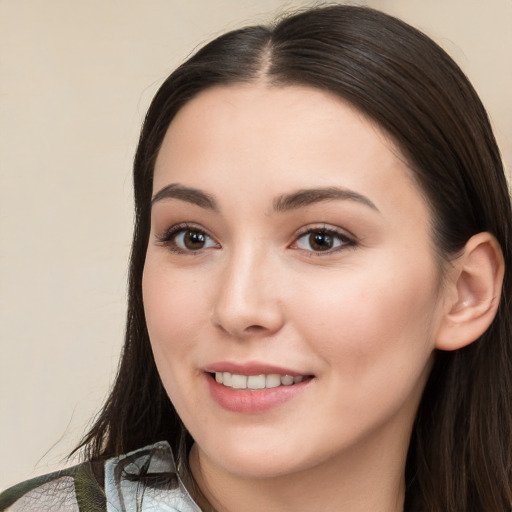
319 312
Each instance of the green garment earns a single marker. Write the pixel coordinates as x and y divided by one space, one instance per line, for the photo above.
144 480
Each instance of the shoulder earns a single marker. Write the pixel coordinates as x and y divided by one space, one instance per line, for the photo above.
70 490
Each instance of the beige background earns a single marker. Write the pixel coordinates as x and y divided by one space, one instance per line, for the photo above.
75 80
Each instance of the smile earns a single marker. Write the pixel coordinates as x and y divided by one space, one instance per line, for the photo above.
254 382
254 388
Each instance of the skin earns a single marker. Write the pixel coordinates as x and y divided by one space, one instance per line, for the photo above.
361 318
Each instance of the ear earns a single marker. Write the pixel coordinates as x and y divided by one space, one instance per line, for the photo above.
473 294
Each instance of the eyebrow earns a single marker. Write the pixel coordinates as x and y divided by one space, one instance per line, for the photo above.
188 194
310 196
281 204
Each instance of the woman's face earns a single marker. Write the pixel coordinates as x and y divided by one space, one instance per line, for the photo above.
288 243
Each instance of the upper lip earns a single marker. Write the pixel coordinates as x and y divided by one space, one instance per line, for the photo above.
250 368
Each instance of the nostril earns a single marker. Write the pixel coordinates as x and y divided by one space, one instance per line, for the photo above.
255 328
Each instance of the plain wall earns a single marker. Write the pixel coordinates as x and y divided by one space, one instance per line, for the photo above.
75 80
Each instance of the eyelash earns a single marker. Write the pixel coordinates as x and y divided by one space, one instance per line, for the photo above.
168 239
346 242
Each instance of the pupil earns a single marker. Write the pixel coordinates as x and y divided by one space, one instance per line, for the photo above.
320 241
194 240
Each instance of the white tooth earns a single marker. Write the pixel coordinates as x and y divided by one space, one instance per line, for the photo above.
286 380
298 378
273 380
256 382
226 379
239 381
218 377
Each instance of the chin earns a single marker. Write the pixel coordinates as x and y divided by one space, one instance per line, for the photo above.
257 459
257 467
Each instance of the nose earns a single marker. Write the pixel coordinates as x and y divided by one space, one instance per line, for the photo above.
247 302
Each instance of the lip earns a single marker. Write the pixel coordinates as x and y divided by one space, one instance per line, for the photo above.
250 368
247 401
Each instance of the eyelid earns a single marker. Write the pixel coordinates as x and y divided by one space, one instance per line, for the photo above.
166 239
348 238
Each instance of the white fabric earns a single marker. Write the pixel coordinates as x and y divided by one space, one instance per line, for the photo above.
125 494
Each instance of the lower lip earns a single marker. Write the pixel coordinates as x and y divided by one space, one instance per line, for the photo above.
253 401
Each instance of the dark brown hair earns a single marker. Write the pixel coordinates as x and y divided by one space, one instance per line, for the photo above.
460 453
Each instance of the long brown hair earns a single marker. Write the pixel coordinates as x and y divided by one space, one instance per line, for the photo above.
460 453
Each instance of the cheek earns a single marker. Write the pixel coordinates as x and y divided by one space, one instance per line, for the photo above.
173 318
172 308
376 345
361 321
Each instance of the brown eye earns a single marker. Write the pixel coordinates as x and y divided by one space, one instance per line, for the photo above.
187 240
194 240
322 240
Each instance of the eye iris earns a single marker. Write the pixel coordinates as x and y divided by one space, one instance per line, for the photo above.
320 241
194 240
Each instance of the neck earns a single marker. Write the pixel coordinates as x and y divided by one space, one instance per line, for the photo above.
369 478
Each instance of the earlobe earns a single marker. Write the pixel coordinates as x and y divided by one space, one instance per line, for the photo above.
475 293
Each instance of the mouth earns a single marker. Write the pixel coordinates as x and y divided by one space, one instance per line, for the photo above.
253 387
256 382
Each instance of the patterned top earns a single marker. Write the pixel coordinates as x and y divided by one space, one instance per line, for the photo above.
144 480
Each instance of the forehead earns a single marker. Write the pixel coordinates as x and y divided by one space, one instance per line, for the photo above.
281 137
268 111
